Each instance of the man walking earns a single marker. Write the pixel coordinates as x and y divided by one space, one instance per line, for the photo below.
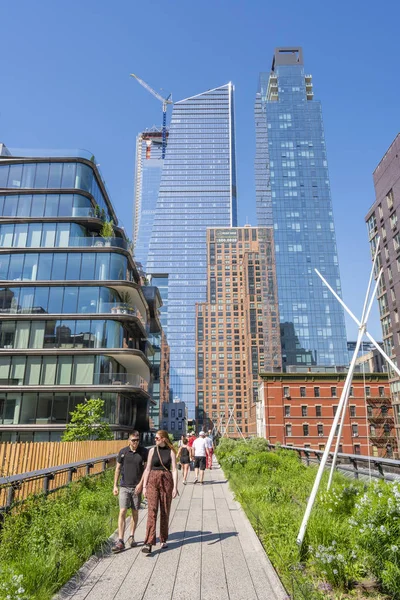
131 463
210 448
200 453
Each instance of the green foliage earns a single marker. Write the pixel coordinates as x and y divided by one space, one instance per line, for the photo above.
107 229
353 532
44 544
87 423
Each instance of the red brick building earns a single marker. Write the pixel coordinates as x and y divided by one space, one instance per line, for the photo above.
298 409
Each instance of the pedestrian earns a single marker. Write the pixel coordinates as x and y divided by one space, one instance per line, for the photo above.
180 443
131 463
185 456
192 437
200 453
160 485
210 448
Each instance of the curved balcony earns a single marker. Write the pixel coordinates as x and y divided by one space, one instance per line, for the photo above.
94 308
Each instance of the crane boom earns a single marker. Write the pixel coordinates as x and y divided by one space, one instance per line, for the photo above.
164 101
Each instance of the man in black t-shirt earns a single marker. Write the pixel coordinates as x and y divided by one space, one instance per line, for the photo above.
131 463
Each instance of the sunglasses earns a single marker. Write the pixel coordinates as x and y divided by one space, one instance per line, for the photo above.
133 439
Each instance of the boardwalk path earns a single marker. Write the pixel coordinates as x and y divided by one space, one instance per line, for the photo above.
213 554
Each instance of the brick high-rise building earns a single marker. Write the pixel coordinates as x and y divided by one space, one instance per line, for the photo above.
237 329
382 222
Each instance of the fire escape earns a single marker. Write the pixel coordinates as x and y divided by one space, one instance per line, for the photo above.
381 424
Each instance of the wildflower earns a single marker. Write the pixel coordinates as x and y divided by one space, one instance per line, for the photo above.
394 548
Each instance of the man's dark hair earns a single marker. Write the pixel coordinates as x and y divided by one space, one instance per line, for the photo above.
134 433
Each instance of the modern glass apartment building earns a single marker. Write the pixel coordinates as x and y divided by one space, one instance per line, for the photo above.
293 195
148 169
74 321
197 190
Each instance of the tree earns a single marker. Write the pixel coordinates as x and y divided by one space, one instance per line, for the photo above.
87 424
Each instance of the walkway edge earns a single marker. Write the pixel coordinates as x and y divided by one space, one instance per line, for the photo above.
272 575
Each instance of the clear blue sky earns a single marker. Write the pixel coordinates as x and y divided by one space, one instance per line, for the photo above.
64 83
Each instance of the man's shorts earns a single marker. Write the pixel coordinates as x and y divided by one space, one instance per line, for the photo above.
128 498
200 463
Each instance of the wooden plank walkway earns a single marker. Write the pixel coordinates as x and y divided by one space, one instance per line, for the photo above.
213 554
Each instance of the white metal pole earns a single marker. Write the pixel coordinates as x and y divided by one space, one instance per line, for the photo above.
364 319
325 455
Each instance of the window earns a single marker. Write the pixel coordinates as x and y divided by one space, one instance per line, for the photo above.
334 392
351 391
286 392
288 430
304 411
302 392
352 411
354 430
316 392
305 430
368 391
381 392
357 449
318 411
287 411
320 429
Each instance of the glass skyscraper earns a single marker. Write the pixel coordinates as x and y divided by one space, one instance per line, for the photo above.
197 190
74 321
293 195
149 164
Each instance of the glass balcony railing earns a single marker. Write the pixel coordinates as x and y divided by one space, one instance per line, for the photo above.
75 242
91 308
119 379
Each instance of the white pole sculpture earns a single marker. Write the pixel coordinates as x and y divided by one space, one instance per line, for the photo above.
361 332
346 389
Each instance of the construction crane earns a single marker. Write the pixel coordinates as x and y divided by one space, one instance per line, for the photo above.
165 102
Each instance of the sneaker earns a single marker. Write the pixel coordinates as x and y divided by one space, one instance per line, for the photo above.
195 481
146 549
118 546
131 541
184 482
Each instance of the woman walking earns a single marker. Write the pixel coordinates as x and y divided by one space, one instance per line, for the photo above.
184 455
159 487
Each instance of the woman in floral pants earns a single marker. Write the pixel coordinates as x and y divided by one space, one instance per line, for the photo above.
160 486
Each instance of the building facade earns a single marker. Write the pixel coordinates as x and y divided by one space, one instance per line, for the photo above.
174 418
74 321
382 224
293 195
298 410
237 329
148 170
197 190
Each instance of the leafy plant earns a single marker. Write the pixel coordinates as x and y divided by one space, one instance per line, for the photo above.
87 422
107 229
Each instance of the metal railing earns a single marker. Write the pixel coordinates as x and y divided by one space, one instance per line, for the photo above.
355 465
14 489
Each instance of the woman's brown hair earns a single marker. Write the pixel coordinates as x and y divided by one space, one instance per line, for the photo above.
162 433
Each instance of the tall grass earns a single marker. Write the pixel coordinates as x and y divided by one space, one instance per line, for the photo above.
45 543
350 536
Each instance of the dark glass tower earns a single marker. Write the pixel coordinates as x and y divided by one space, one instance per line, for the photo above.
197 190
293 195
